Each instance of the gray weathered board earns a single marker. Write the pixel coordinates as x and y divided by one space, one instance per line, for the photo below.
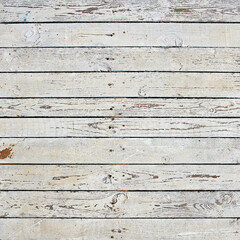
119 119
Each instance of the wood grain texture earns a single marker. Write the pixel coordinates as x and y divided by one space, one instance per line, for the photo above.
119 119
128 229
120 34
124 10
120 151
119 204
125 107
119 59
119 177
119 127
149 84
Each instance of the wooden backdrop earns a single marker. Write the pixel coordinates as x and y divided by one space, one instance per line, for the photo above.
119 119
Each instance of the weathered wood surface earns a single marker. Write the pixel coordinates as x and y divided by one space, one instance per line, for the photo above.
120 151
128 229
119 59
120 10
119 109
119 204
149 84
120 34
126 107
119 127
119 177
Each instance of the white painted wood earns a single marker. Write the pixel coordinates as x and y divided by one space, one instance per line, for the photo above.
119 177
126 51
120 150
119 127
128 229
119 59
121 107
124 10
119 204
149 84
120 34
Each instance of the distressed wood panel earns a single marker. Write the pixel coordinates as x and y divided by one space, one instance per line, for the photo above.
124 10
128 229
107 150
119 204
120 150
119 59
109 107
119 177
120 34
149 84
119 127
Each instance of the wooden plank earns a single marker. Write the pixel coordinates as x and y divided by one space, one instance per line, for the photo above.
110 107
119 151
128 229
119 59
119 177
119 127
120 34
120 10
119 204
149 84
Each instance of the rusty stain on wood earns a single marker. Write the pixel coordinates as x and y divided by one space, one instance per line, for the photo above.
7 152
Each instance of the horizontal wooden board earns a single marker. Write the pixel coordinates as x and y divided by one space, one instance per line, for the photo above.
148 84
119 127
119 177
128 229
120 34
119 151
119 59
120 10
110 107
119 204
